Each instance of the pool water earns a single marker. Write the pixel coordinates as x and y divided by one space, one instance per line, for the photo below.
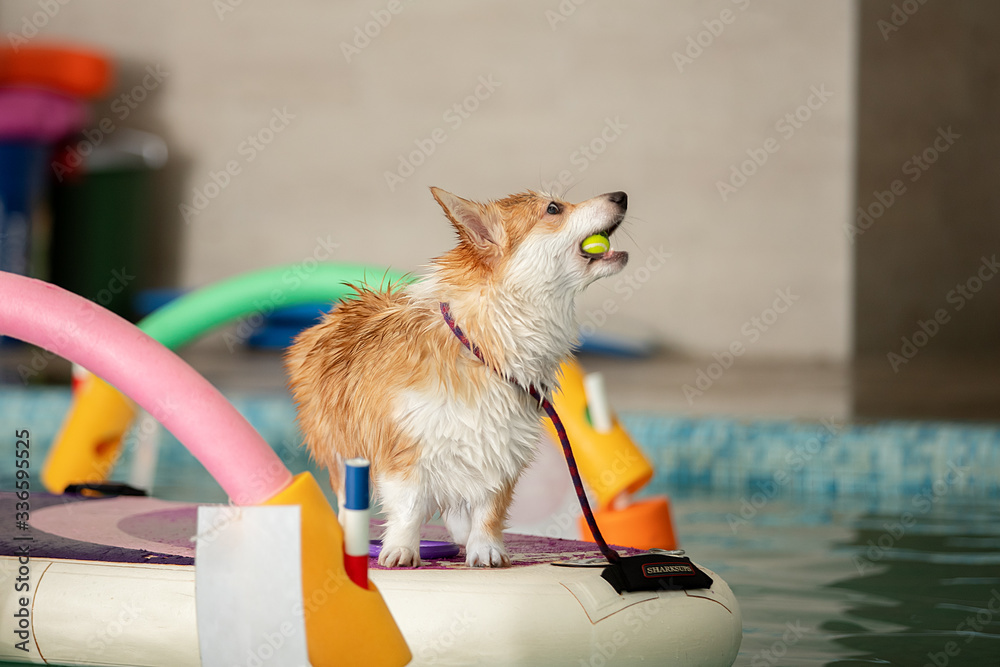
839 583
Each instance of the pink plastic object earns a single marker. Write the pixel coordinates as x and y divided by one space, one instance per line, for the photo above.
154 377
39 115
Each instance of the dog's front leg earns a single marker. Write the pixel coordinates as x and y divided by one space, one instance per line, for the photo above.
406 509
485 547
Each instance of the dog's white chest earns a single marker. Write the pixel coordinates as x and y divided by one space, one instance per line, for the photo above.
469 448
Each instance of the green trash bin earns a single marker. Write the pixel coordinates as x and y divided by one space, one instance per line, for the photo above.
100 218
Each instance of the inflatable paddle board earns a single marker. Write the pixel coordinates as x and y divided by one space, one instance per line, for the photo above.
113 583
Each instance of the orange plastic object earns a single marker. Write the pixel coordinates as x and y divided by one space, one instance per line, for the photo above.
609 463
86 448
645 524
345 624
69 70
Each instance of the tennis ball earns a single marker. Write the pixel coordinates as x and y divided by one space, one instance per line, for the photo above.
596 244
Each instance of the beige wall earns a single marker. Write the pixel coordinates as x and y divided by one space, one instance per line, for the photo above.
671 130
926 240
927 237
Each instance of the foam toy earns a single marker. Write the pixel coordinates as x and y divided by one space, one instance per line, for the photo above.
612 467
223 441
89 440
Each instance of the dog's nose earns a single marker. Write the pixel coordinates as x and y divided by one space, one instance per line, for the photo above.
619 198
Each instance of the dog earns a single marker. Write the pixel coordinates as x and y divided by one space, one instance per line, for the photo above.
383 375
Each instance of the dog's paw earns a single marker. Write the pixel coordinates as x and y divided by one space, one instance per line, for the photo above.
399 557
487 555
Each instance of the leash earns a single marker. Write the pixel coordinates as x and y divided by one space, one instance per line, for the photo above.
574 472
640 572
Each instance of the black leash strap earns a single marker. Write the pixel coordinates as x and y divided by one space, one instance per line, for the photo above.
641 572
574 472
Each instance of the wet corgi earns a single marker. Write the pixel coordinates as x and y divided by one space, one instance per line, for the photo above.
384 376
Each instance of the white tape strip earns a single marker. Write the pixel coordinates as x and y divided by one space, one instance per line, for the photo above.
248 586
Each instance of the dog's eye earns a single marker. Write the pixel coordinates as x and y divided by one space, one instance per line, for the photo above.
554 209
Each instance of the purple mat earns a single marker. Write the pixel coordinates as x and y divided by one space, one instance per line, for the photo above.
47 545
148 523
524 549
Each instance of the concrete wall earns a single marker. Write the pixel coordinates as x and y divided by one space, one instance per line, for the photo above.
927 242
928 238
729 123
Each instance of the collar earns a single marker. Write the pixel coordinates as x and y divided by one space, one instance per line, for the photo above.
472 347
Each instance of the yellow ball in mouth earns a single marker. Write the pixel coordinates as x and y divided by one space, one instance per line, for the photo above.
596 244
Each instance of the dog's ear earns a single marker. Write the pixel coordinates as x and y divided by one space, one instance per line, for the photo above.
475 223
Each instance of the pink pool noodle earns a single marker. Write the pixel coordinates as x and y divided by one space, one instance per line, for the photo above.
154 377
